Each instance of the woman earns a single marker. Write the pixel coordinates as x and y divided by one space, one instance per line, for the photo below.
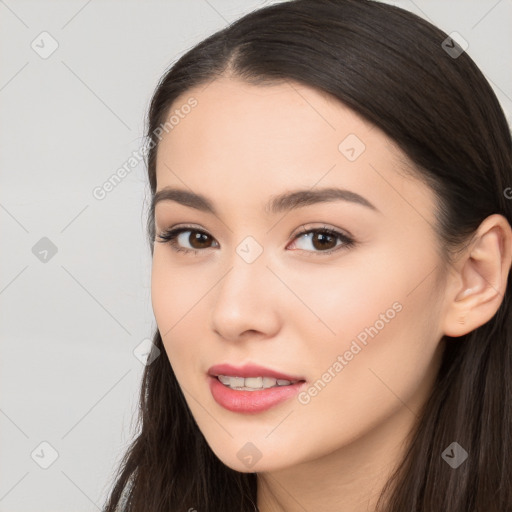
331 241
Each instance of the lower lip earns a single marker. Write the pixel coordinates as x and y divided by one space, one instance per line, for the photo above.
251 401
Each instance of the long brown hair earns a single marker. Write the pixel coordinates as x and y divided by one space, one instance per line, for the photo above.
392 68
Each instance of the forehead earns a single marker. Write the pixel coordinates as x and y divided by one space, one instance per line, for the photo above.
281 116
254 141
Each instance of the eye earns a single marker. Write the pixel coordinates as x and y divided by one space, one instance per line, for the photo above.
323 240
195 237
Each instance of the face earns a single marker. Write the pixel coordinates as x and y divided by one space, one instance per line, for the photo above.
342 293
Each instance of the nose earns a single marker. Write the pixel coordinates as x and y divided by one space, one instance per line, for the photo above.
246 300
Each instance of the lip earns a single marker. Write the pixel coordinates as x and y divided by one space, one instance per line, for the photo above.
251 401
249 370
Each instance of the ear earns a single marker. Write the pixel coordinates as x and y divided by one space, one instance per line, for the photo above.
479 280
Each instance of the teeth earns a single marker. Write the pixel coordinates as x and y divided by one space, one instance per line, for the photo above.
252 383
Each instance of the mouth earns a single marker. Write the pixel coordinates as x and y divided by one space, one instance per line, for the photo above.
254 383
251 388
250 371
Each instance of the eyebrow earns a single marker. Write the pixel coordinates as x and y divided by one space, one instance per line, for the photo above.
277 204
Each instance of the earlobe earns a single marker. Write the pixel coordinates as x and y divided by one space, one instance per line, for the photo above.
480 278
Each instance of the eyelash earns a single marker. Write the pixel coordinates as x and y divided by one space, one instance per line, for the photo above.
170 236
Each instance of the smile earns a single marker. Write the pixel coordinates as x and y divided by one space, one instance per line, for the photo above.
252 383
250 400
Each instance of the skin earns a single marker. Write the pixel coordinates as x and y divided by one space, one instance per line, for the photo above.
295 309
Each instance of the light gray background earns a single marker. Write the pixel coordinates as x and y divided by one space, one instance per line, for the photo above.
68 122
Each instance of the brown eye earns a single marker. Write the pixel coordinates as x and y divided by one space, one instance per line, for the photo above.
179 237
198 240
323 241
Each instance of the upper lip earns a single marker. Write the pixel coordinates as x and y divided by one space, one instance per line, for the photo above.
249 370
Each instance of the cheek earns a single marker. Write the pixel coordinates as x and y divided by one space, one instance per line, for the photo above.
179 296
381 303
167 296
174 289
164 292
386 349
339 301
